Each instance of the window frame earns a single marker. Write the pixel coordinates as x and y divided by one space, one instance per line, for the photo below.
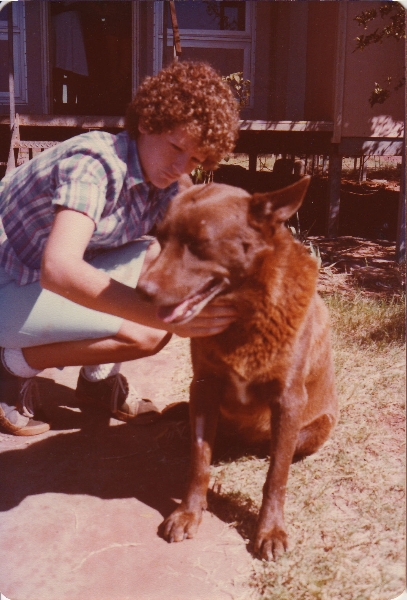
20 60
210 38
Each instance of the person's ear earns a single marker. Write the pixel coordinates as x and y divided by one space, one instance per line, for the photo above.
142 128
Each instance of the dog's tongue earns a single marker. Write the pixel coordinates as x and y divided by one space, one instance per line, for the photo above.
187 309
169 314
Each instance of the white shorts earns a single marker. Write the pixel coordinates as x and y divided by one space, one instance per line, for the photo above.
32 316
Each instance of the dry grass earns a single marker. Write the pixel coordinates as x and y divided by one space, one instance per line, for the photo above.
345 505
367 322
345 509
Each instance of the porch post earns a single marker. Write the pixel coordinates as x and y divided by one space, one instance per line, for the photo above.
334 192
165 19
11 65
335 159
176 40
11 161
252 162
401 220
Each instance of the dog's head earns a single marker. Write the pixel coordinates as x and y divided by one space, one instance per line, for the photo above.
212 239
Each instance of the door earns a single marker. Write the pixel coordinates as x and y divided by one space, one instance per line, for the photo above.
91 57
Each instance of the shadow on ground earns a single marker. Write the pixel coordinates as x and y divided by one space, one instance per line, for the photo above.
94 459
85 454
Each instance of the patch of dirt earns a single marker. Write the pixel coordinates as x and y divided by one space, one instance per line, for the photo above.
396 426
369 186
352 264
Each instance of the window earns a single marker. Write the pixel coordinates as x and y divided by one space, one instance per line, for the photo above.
20 69
221 33
214 16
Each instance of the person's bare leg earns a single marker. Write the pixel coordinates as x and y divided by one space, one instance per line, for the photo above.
131 342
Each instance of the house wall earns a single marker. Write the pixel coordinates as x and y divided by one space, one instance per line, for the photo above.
279 59
320 61
301 61
263 64
34 68
145 40
297 59
295 66
362 69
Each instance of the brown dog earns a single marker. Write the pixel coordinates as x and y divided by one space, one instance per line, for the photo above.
270 374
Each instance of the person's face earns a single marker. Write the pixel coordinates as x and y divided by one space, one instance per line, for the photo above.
166 156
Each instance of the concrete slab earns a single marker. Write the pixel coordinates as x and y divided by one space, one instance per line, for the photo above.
81 504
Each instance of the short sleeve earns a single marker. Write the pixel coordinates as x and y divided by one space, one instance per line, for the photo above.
80 183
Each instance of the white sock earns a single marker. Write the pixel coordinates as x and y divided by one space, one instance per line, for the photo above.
98 372
14 361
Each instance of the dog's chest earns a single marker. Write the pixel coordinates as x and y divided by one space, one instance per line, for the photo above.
238 389
246 406
245 393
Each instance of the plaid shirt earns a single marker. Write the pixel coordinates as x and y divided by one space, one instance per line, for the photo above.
95 173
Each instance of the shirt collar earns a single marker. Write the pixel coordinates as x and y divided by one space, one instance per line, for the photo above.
134 172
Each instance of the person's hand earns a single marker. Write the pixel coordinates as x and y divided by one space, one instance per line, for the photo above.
213 319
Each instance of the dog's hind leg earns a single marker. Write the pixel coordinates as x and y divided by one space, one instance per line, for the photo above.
313 435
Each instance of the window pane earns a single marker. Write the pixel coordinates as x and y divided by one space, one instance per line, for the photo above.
3 65
210 15
224 60
4 15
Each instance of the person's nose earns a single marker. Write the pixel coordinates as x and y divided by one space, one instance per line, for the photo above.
183 164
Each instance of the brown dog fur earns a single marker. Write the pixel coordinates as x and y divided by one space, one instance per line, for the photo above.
270 374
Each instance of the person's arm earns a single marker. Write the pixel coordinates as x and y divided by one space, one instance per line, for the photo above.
65 272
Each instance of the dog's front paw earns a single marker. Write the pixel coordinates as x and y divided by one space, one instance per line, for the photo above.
180 525
271 544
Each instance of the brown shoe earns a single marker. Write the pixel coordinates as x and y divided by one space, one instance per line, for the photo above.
122 400
19 403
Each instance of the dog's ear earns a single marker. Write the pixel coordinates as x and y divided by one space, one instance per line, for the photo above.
277 206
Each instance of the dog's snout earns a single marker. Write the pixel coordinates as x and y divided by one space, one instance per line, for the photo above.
148 289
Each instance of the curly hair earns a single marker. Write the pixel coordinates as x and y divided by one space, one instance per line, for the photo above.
191 94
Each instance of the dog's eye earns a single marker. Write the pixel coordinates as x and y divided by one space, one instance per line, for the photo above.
198 248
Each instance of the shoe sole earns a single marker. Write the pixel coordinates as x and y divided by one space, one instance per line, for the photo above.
32 427
144 418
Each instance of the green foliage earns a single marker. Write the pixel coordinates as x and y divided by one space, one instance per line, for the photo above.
302 236
316 253
240 87
380 94
375 322
200 175
395 29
